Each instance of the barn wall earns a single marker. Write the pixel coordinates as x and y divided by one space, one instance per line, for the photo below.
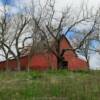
40 61
74 63
43 61
77 64
12 64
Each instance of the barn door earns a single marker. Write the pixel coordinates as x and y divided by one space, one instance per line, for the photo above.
64 64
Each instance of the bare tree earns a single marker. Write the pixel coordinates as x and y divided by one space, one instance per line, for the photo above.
12 28
50 26
4 37
45 26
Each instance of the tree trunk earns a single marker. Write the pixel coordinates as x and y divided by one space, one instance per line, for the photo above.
18 64
88 63
58 54
7 64
29 61
58 63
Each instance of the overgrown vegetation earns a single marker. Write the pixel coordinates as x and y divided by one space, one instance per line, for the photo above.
50 85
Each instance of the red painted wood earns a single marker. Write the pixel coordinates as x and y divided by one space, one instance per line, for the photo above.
43 61
74 63
12 64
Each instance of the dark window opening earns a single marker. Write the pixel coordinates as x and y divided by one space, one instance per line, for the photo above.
64 63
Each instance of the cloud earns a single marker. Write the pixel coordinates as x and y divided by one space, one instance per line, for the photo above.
13 6
8 2
17 5
13 10
22 3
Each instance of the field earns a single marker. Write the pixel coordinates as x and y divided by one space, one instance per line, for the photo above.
50 85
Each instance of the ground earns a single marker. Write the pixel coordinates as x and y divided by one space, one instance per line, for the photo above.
50 85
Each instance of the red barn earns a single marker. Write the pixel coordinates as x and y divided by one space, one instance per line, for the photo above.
44 60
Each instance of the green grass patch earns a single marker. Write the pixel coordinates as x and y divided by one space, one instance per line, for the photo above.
50 85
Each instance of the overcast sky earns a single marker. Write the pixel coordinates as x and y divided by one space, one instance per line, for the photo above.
60 4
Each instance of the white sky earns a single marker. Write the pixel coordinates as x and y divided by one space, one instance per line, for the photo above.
60 4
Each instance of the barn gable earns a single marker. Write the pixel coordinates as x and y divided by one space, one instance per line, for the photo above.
65 44
74 63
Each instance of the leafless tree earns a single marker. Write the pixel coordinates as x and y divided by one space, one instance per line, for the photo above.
12 28
4 37
47 24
